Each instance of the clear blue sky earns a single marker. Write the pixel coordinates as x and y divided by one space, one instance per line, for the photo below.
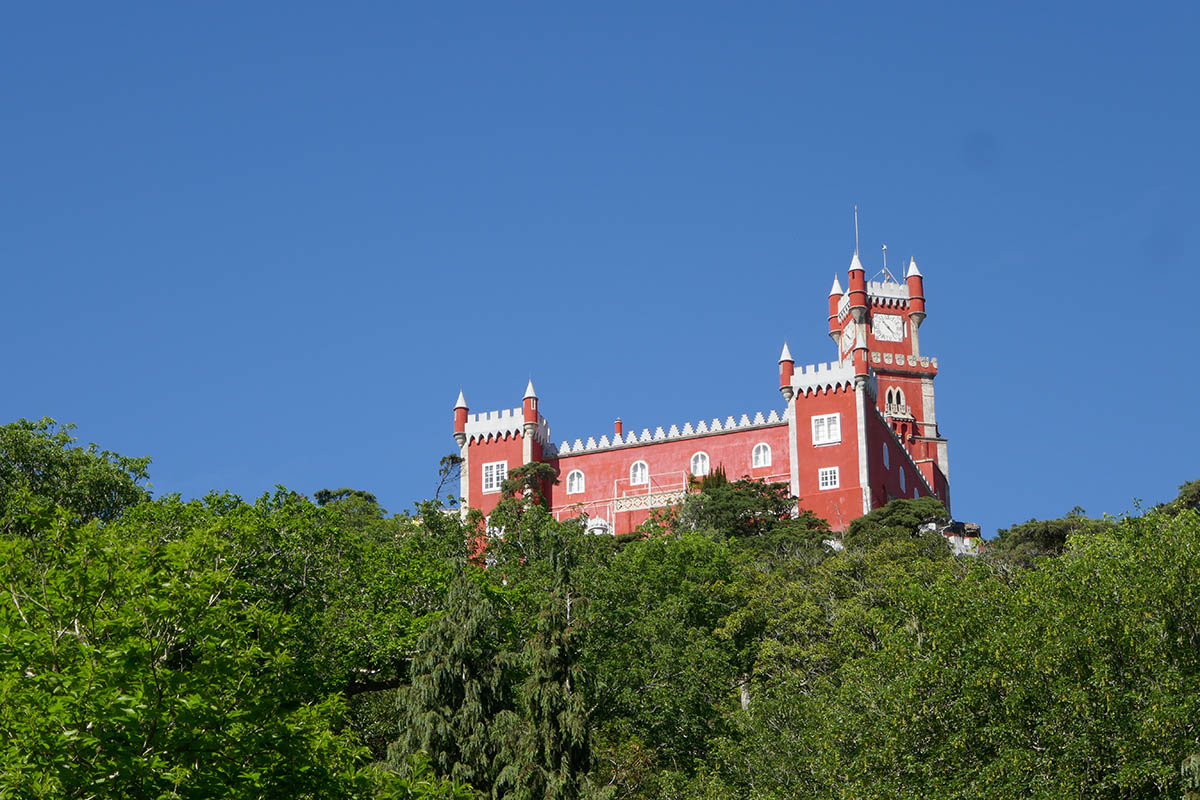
268 243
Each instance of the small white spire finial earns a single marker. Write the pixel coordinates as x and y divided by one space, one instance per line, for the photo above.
837 286
462 401
913 272
529 392
786 355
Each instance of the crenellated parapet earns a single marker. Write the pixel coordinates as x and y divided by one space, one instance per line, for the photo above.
505 423
887 293
829 377
688 431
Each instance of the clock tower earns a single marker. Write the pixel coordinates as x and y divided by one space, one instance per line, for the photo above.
889 314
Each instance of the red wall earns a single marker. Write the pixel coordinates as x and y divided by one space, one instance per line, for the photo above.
479 453
606 472
837 506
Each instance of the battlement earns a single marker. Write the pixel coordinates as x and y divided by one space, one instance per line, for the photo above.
827 376
701 428
889 292
506 422
922 363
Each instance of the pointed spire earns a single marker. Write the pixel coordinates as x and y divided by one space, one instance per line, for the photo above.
462 401
529 392
837 286
855 263
912 272
786 355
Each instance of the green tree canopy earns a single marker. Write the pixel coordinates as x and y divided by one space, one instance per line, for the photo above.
39 463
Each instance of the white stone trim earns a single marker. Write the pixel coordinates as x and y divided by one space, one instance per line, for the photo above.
689 431
901 360
887 291
828 376
637 502
793 449
505 422
864 473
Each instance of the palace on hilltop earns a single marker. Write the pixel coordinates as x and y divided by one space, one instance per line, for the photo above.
853 433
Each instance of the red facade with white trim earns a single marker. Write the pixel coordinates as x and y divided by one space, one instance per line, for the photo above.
853 433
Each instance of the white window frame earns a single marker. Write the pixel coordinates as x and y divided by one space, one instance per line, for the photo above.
576 482
633 474
692 465
488 477
821 427
829 478
765 461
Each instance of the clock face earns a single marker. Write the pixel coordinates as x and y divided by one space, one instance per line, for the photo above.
889 327
848 338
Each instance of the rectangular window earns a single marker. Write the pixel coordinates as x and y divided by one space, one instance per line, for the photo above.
827 477
494 475
827 429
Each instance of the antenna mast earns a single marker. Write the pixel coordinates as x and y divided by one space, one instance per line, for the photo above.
856 228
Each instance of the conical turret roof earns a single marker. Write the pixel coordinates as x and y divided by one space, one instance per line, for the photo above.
529 392
912 271
837 287
786 355
462 401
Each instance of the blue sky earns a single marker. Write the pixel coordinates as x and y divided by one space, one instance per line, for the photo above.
268 243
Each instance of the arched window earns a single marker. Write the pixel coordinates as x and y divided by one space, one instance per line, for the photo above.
761 455
575 482
891 397
639 474
700 464
902 480
886 465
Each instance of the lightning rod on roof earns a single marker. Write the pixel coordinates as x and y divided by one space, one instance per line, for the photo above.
856 228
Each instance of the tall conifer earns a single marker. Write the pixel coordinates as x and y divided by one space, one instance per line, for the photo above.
556 753
459 694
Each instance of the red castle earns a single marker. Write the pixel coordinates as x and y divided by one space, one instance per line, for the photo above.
854 434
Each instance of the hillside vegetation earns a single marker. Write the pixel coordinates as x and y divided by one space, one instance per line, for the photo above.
297 648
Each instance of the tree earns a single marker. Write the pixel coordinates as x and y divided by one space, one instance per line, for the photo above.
554 757
40 465
449 471
1188 499
324 497
666 675
755 516
132 665
461 690
899 519
1024 544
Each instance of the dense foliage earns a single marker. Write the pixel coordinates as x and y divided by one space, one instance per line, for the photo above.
290 648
